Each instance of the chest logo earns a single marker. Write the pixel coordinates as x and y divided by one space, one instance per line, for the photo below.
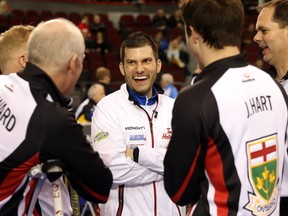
167 134
263 175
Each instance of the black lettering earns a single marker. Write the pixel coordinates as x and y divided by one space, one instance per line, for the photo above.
258 104
269 99
248 113
253 106
259 107
7 118
5 115
11 123
2 107
263 102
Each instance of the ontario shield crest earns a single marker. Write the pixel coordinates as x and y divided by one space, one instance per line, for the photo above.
263 175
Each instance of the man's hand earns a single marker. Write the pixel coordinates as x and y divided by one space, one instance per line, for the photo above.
129 153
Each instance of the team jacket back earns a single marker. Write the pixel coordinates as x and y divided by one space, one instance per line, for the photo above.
228 159
36 126
15 158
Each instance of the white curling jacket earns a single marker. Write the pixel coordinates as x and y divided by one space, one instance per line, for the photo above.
117 123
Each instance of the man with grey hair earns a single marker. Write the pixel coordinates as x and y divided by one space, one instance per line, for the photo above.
85 110
36 125
13 48
167 83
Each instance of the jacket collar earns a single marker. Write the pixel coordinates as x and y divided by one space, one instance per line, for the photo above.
229 62
142 100
44 84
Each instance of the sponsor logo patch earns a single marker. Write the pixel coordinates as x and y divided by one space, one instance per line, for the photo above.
10 87
135 128
137 137
100 136
263 175
167 134
247 78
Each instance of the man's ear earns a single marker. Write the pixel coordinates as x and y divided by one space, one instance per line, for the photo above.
121 68
73 63
22 61
194 35
159 65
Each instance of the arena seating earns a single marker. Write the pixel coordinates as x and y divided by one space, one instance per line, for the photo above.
128 22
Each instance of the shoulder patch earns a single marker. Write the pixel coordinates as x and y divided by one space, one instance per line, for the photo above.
100 136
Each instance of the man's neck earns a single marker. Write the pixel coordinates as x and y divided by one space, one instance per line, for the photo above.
281 71
213 54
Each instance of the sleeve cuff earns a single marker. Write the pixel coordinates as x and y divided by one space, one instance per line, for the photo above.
136 154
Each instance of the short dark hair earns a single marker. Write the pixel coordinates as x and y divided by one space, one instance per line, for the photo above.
136 40
219 22
281 11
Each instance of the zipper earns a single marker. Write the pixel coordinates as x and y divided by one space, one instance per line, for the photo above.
154 113
150 119
121 200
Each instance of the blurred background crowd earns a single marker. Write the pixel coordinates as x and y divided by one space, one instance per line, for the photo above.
104 24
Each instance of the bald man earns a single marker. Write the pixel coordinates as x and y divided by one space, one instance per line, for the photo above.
13 48
36 124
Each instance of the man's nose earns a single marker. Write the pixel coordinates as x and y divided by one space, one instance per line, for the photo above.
257 37
140 67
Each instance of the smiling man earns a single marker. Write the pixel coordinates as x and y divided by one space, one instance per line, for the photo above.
272 37
131 129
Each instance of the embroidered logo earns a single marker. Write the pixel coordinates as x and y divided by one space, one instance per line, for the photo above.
10 87
168 134
263 175
247 78
100 136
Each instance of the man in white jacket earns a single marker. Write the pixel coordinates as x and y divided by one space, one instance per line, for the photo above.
131 129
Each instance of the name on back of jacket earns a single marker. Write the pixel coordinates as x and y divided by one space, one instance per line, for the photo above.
258 104
7 119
